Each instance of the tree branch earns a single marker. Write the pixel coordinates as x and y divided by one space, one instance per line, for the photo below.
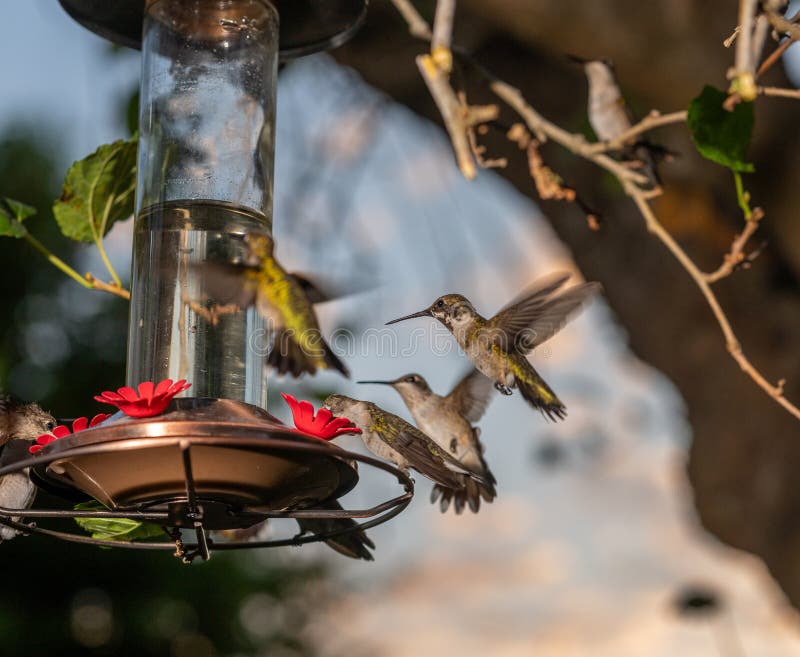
630 179
653 120
443 34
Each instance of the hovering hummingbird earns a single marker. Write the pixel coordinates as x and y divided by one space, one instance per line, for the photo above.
20 425
354 544
285 300
448 420
610 116
392 438
498 346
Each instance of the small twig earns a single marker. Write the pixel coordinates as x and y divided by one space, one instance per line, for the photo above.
783 25
779 92
417 26
759 38
548 183
443 34
478 151
773 57
727 43
736 258
457 118
654 119
113 287
742 75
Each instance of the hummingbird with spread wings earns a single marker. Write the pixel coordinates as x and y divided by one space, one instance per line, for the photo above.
448 420
391 438
498 347
284 299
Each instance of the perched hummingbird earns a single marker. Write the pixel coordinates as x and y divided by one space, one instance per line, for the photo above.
610 116
285 300
20 425
355 544
392 438
448 420
498 346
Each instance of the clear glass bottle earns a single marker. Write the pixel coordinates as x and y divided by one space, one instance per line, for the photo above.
205 166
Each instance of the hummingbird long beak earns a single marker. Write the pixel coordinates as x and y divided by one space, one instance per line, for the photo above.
383 383
421 313
577 59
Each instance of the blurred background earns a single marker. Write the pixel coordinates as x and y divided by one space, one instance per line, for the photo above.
659 518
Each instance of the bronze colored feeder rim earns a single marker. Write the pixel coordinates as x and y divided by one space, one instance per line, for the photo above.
194 433
306 26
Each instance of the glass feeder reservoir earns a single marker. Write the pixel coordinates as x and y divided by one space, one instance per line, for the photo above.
206 151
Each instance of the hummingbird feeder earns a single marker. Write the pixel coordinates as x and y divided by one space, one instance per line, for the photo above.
215 460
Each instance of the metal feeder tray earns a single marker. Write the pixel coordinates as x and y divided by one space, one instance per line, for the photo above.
205 464
306 26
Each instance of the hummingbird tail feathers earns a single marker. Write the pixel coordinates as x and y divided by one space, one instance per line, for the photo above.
333 362
355 545
543 399
470 495
287 356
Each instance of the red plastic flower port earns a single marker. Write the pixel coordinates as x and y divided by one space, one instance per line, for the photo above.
62 430
324 425
150 399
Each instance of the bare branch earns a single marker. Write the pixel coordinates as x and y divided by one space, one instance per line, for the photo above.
731 342
742 75
774 56
443 34
736 258
417 26
654 119
543 130
111 288
457 118
779 92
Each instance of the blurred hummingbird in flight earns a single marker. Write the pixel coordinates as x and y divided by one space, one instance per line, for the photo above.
448 420
20 425
392 438
498 346
610 116
284 299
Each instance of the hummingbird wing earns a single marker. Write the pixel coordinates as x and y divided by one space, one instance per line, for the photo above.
312 290
298 346
329 290
471 396
226 283
423 454
538 314
354 544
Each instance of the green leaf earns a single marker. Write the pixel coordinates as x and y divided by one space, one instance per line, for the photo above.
114 529
12 214
98 191
721 136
